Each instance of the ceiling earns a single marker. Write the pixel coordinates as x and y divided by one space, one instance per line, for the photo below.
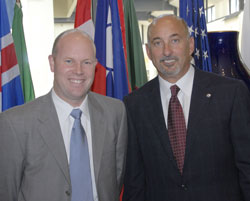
146 8
64 10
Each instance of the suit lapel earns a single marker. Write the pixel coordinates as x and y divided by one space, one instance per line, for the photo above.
199 104
98 128
49 129
154 109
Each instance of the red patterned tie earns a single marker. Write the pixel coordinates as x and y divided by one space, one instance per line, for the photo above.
177 127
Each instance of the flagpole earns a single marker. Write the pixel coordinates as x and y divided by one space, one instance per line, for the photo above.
94 3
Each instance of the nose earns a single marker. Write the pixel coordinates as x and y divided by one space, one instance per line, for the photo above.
167 50
78 68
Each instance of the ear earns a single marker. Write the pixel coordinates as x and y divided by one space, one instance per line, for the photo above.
191 45
51 63
148 51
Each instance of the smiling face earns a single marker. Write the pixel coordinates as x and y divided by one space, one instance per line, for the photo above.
73 64
170 47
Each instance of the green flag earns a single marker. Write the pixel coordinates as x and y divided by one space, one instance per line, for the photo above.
135 56
21 53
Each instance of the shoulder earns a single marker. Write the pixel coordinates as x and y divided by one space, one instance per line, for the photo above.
145 90
144 94
224 89
28 110
105 102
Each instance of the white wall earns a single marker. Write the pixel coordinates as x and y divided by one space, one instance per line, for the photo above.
38 22
60 27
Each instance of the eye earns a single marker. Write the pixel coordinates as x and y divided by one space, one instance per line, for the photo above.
68 61
88 63
175 40
158 43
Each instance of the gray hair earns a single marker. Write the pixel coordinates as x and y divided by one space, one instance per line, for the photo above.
69 31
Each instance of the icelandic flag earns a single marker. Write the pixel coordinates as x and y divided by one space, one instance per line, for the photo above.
111 77
10 89
192 11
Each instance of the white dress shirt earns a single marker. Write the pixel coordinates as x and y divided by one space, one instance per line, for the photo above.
66 121
186 85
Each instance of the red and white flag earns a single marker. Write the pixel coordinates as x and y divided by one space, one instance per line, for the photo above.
83 18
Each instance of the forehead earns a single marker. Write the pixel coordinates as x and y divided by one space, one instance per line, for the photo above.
75 43
167 26
73 38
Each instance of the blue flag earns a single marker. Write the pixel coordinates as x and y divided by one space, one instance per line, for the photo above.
192 11
109 48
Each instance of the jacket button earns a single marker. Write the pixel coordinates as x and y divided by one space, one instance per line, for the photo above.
67 193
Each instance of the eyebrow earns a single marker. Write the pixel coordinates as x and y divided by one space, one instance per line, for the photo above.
156 38
174 35
171 36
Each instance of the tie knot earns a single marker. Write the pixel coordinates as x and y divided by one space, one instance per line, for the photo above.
76 113
174 90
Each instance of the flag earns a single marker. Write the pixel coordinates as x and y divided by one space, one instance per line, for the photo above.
83 20
192 11
113 78
123 31
21 53
135 56
245 40
10 89
10 4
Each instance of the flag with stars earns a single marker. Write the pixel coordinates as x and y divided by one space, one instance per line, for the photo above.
192 11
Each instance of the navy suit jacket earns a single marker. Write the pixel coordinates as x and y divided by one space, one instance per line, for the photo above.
217 158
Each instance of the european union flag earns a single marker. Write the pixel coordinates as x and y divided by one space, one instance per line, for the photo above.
192 11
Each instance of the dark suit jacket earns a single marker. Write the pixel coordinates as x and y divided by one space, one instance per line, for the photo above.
34 165
217 160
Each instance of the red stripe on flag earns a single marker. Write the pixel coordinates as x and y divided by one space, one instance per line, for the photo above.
99 84
9 59
83 12
122 22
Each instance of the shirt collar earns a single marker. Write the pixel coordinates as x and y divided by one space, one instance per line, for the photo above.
185 83
64 109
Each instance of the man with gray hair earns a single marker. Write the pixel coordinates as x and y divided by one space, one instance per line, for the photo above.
70 144
188 130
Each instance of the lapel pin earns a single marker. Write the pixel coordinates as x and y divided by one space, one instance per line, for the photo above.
208 95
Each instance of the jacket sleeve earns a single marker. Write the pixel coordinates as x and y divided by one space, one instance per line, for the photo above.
11 157
121 148
240 133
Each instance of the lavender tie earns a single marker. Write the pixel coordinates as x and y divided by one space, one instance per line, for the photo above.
80 173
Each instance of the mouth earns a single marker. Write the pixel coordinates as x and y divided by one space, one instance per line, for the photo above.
168 62
76 81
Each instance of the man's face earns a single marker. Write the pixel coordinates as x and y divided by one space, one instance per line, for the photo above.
74 67
170 48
